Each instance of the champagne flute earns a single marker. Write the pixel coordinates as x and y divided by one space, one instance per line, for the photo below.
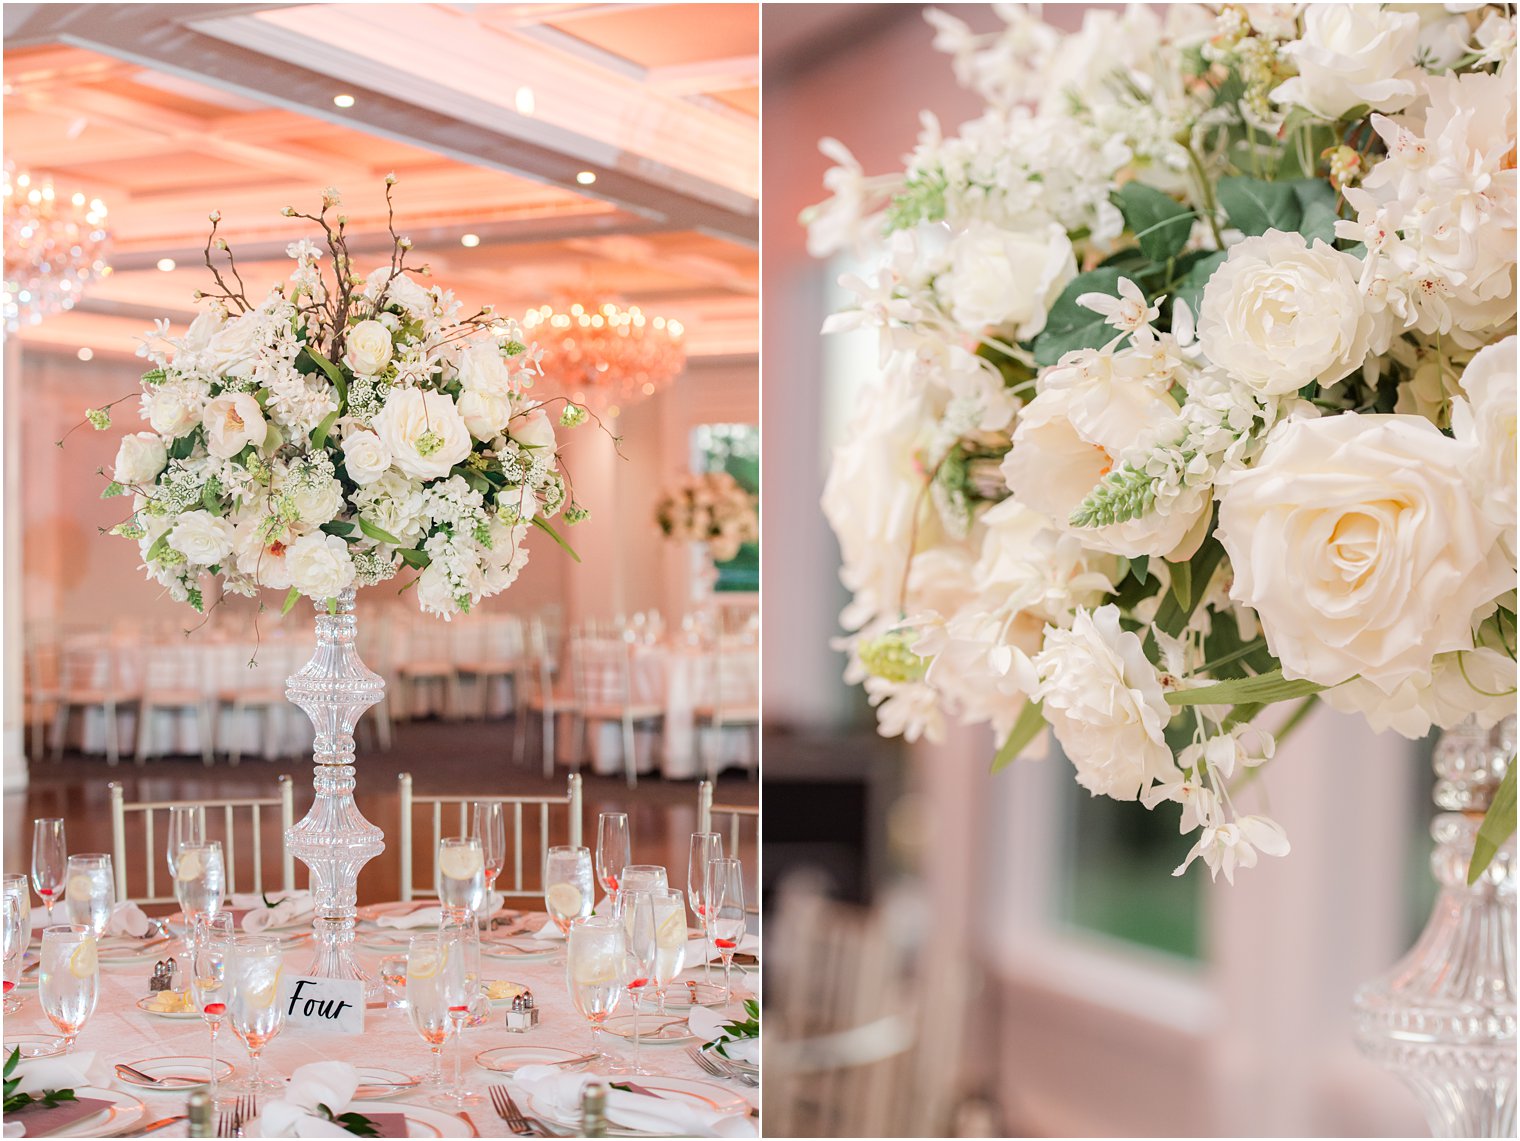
257 1015
568 888
69 982
643 877
636 909
187 825
670 942
459 982
50 857
200 880
613 850
461 878
90 890
210 949
488 823
726 922
705 848
17 886
15 935
594 961
425 999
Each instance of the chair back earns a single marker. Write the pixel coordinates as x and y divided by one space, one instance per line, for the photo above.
221 817
601 670
504 639
519 810
730 816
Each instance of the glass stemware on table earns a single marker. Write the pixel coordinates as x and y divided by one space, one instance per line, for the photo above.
726 919
705 848
459 984
461 876
16 890
253 1006
670 944
426 999
595 962
69 981
187 825
90 890
569 893
635 908
50 858
613 850
210 950
488 824
200 880
644 877
14 936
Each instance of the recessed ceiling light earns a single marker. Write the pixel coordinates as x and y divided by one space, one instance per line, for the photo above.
469 241
585 177
86 354
166 264
524 101
344 101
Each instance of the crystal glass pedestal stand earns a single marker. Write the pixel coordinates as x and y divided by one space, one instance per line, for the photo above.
1443 1018
333 839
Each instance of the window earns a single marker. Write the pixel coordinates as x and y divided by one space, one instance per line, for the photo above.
734 448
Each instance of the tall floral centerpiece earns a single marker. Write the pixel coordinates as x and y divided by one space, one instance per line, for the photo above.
712 510
1198 395
337 432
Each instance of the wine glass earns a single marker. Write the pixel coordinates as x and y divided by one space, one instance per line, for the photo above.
257 1014
643 877
613 850
426 1001
461 878
187 825
90 890
200 880
13 946
636 909
16 885
726 921
568 889
488 823
594 962
211 947
50 857
705 848
459 982
69 981
670 942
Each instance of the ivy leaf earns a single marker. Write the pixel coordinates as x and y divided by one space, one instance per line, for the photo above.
1069 326
378 534
1256 206
1498 826
1261 690
290 601
544 525
1031 721
1190 290
1159 222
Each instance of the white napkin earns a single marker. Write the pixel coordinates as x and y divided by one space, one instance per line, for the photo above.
549 930
698 950
62 1071
432 916
708 1025
287 910
560 1093
128 919
295 1115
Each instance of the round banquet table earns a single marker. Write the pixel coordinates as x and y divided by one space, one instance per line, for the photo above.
119 1032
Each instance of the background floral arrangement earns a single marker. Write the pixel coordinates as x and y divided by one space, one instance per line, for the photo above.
1198 393
335 432
709 507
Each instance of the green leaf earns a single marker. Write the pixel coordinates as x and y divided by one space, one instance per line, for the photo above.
415 559
377 534
332 605
334 373
1497 827
1316 200
1256 206
157 548
319 433
1190 290
13 1059
1159 222
113 489
1069 326
1182 586
1262 690
1031 721
1140 568
338 528
1172 615
290 600
182 447
544 525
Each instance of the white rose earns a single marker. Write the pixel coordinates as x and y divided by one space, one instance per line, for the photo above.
532 429
1478 684
1351 55
1007 277
1103 701
232 422
434 595
201 331
317 504
506 558
1486 419
139 459
1360 546
202 538
402 291
1279 313
173 410
261 560
424 432
394 504
368 349
485 413
481 369
319 565
234 346
365 457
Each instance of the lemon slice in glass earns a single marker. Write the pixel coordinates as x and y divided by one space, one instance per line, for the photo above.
460 863
259 997
672 931
563 899
189 866
84 961
422 966
78 888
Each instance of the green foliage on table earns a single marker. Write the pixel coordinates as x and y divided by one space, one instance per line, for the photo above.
15 1101
355 1123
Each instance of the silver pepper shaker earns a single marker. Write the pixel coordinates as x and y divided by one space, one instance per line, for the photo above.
522 1015
160 978
198 1107
594 1110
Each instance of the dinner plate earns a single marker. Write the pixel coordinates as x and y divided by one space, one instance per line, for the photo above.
182 1015
390 942
505 1059
33 1045
700 1095
683 994
523 949
672 1030
176 1072
122 1114
424 1121
379 1082
128 952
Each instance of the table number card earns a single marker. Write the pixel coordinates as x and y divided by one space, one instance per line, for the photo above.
328 1006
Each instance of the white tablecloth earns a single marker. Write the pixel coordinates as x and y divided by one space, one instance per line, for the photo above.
122 1033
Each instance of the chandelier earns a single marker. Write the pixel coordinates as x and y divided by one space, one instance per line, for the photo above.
54 246
604 354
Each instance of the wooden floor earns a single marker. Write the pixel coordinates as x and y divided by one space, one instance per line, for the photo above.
444 758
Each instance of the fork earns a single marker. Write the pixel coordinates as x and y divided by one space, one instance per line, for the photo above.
717 1070
225 1123
247 1110
507 1110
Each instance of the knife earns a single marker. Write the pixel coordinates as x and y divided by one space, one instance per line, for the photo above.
154 1126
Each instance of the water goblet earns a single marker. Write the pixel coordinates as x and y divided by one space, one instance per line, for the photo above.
613 850
594 969
643 877
726 921
253 1004
636 909
13 940
670 942
69 981
426 1000
461 878
459 981
488 824
200 880
187 825
18 887
211 947
50 857
705 848
393 975
568 889
90 890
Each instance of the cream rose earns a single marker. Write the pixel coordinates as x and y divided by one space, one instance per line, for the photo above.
1360 546
232 422
434 595
1007 277
365 457
424 432
139 459
532 429
233 346
319 565
394 504
368 349
402 291
1351 55
173 410
481 369
485 413
202 538
317 503
1279 313
1486 419
1479 684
